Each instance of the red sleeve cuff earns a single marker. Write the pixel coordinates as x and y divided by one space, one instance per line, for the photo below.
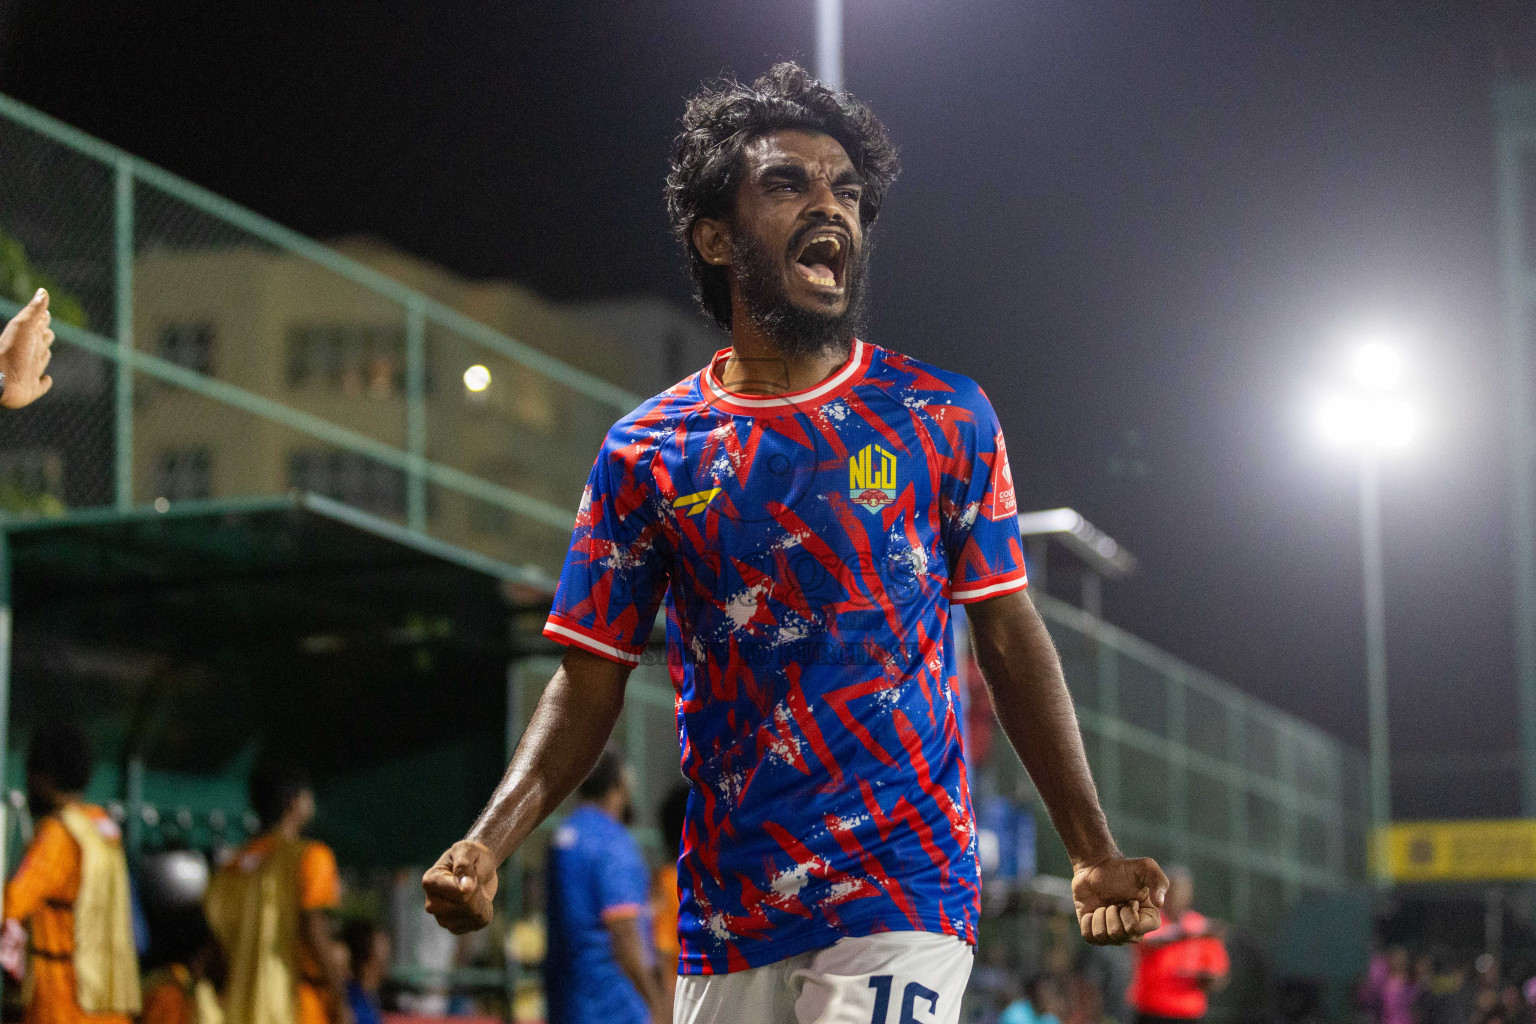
996 585
564 631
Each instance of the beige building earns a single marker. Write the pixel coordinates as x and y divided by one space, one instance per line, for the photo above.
289 331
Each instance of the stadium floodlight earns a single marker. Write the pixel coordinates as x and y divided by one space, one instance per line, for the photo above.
1370 417
477 378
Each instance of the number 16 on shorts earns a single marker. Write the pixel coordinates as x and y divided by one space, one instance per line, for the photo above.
913 995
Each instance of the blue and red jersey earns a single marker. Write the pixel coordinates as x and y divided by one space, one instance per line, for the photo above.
809 547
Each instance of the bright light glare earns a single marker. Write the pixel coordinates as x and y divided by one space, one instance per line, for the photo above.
1379 424
477 378
1377 366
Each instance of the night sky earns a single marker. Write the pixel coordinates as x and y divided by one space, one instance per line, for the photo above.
1148 230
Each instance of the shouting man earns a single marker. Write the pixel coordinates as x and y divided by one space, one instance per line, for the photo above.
811 505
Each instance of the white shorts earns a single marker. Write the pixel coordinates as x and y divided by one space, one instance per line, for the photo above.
891 978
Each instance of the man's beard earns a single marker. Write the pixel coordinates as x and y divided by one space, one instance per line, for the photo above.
798 332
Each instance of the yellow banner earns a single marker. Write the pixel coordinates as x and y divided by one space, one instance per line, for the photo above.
1460 851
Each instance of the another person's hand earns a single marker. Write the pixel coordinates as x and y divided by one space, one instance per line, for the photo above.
461 886
24 353
13 948
1117 899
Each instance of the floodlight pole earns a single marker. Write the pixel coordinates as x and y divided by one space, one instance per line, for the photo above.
1375 637
829 43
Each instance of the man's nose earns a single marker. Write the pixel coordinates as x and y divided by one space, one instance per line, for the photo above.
823 204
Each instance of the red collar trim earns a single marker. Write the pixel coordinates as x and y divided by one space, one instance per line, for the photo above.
849 374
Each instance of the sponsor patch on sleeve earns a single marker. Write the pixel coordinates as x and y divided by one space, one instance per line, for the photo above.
1000 503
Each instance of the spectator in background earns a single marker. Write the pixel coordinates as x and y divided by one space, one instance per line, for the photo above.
1446 998
1391 990
1176 965
72 891
1513 1008
600 968
664 897
1041 1004
368 955
25 348
267 907
183 990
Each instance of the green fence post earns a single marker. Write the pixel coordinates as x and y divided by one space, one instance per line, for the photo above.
1178 765
1237 808
1290 812
1109 710
133 797
416 413
124 309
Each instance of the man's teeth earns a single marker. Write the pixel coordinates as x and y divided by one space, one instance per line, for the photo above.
829 279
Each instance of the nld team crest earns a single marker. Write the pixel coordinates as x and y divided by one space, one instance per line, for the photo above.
872 478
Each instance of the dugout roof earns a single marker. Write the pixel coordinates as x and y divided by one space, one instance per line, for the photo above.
196 636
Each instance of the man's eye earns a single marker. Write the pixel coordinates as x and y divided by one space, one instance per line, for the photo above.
849 195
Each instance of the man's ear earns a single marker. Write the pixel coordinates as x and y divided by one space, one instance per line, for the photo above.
713 240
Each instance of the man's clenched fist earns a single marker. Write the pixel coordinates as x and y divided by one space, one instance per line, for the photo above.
24 353
1117 899
461 886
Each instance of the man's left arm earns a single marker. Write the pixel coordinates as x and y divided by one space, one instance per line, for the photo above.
1116 897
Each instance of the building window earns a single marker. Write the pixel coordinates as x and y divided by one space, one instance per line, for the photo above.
353 359
189 345
182 474
349 477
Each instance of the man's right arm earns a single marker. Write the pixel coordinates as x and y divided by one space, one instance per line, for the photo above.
569 728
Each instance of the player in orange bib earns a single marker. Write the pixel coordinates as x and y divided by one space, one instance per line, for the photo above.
267 907
183 990
71 893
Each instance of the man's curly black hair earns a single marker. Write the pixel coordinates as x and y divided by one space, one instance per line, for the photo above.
724 116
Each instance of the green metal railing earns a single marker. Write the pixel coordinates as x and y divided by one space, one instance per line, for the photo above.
130 227
1263 806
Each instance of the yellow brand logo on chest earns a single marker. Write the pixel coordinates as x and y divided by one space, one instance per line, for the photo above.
872 477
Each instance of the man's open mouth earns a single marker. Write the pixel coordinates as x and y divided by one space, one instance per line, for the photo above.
822 258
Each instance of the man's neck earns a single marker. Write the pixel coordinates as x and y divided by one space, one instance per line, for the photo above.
758 365
609 806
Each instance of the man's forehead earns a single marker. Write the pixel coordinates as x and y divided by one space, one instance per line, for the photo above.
796 146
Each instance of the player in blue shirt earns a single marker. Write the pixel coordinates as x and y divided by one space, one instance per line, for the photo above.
599 967
810 506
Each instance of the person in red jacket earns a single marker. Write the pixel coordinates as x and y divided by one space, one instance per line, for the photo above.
1178 963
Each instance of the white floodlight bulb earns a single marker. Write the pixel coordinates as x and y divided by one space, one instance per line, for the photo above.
1338 420
1393 424
1377 366
477 378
